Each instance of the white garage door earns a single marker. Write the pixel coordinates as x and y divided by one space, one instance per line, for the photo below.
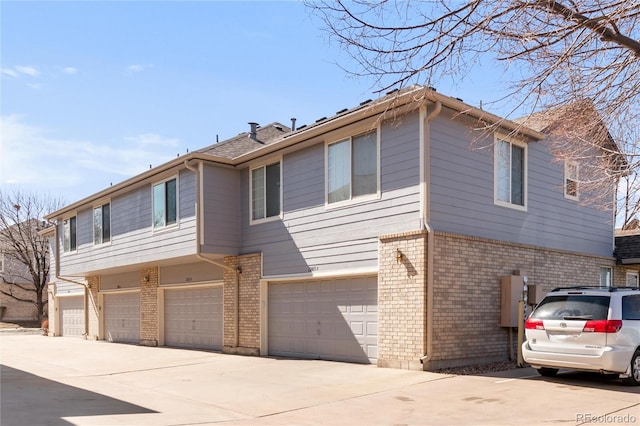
71 316
193 318
122 317
330 319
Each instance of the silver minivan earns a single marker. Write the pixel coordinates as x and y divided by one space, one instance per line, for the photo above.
586 328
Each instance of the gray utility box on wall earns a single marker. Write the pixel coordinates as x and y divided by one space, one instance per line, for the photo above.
511 292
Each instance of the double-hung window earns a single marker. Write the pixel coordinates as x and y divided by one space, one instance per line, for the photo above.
69 238
571 180
352 167
102 224
510 160
605 276
165 203
265 191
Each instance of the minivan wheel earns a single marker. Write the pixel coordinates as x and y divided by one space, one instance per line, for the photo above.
547 372
634 378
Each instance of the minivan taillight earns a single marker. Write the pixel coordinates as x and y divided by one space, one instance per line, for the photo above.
534 324
602 326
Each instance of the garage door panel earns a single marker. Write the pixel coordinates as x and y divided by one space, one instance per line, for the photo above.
122 317
340 319
71 316
193 318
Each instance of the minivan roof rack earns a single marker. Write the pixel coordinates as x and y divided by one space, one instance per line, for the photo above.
595 287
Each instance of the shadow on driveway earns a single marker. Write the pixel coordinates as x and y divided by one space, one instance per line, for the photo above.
29 400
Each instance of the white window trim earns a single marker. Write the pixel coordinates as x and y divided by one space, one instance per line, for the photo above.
259 165
525 196
610 269
172 225
568 163
352 200
64 252
95 206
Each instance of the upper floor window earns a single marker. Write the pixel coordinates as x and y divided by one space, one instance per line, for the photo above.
165 203
265 191
102 224
69 237
571 180
352 167
510 160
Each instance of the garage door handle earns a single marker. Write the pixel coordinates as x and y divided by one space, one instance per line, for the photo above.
318 328
193 326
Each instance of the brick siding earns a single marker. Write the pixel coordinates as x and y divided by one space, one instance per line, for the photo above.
17 310
247 339
467 273
149 325
402 300
93 315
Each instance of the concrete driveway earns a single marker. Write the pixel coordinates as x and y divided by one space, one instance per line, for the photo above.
66 381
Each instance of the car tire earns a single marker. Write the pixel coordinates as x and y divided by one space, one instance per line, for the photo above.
634 378
548 372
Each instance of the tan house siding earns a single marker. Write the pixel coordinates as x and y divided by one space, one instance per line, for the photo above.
93 314
149 327
467 273
242 305
15 309
402 300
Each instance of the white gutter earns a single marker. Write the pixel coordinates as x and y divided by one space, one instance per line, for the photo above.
84 285
429 296
237 270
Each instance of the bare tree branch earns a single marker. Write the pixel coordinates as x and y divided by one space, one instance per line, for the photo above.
562 51
21 219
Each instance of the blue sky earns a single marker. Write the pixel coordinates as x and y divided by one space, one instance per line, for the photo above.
92 93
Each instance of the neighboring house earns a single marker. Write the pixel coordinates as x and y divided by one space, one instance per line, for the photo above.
627 254
16 280
380 234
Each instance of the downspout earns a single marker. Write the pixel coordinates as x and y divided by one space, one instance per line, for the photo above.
84 285
429 302
237 270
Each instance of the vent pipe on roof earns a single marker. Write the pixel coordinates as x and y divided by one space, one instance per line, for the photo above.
254 129
293 124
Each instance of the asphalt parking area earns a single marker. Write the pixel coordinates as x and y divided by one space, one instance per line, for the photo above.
65 381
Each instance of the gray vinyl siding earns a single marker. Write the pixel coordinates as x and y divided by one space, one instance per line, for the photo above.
462 197
312 237
133 240
221 204
64 288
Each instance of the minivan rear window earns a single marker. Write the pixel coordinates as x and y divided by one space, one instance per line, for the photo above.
571 306
631 307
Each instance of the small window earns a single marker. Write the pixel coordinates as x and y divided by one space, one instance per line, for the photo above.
510 162
632 279
69 234
265 191
1 261
165 203
102 224
352 167
605 276
571 180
